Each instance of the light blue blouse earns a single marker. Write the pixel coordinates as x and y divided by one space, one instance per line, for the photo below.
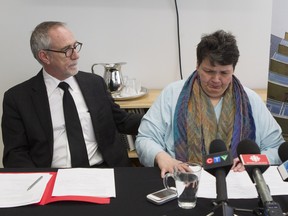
156 130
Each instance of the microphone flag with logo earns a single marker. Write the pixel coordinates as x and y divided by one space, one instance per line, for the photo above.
218 163
255 164
218 157
250 156
283 154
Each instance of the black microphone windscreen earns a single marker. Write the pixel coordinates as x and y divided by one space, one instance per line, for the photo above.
216 146
247 146
283 151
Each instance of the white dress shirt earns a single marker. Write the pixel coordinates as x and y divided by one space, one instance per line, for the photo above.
61 152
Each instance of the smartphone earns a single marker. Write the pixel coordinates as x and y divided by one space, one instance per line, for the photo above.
162 196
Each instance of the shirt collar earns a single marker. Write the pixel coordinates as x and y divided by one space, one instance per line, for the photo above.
52 82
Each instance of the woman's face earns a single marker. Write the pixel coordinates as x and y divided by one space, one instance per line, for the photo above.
214 79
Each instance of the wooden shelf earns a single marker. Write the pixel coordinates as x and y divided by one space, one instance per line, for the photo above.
142 102
147 100
262 93
132 154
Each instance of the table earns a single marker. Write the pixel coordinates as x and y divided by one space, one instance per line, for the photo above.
132 186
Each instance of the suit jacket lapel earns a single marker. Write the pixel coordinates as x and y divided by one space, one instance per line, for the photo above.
41 104
91 99
88 93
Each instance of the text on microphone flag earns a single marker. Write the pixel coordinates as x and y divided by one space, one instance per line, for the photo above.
217 159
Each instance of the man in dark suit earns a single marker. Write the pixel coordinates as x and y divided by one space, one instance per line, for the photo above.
33 124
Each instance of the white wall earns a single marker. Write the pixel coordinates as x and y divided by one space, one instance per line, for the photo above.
279 18
139 32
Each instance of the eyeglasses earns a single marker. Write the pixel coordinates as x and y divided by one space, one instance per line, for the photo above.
69 51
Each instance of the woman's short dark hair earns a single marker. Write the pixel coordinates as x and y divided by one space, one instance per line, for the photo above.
219 47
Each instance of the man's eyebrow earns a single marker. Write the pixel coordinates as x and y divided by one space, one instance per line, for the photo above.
68 46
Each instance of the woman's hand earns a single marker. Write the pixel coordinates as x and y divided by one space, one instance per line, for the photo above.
237 165
167 164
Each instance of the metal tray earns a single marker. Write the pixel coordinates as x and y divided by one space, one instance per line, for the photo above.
117 97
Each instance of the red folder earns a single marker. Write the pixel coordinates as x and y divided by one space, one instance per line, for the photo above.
48 198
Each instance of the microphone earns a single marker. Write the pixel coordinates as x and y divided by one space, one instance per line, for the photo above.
283 154
255 163
250 156
218 163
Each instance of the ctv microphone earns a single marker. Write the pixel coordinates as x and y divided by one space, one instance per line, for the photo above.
218 163
255 163
283 154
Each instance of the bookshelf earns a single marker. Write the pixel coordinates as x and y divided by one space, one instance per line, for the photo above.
277 94
146 101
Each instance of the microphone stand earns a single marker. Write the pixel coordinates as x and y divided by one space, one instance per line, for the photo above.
270 207
221 207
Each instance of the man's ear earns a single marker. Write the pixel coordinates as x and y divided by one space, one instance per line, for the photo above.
42 55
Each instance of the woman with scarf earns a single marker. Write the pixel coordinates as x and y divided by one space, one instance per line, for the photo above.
211 104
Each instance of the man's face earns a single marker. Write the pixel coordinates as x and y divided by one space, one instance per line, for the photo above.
58 65
214 79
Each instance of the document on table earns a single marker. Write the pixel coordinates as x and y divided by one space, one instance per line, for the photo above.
240 186
85 182
14 188
273 179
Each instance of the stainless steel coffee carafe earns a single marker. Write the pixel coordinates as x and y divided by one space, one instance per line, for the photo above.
112 75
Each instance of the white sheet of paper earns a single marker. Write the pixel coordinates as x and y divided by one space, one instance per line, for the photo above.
240 186
85 182
14 187
273 179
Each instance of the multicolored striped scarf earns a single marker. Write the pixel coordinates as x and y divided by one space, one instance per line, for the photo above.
195 122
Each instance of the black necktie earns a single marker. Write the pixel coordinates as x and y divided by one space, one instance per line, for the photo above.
79 156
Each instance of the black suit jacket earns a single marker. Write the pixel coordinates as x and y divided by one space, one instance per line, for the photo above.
27 126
